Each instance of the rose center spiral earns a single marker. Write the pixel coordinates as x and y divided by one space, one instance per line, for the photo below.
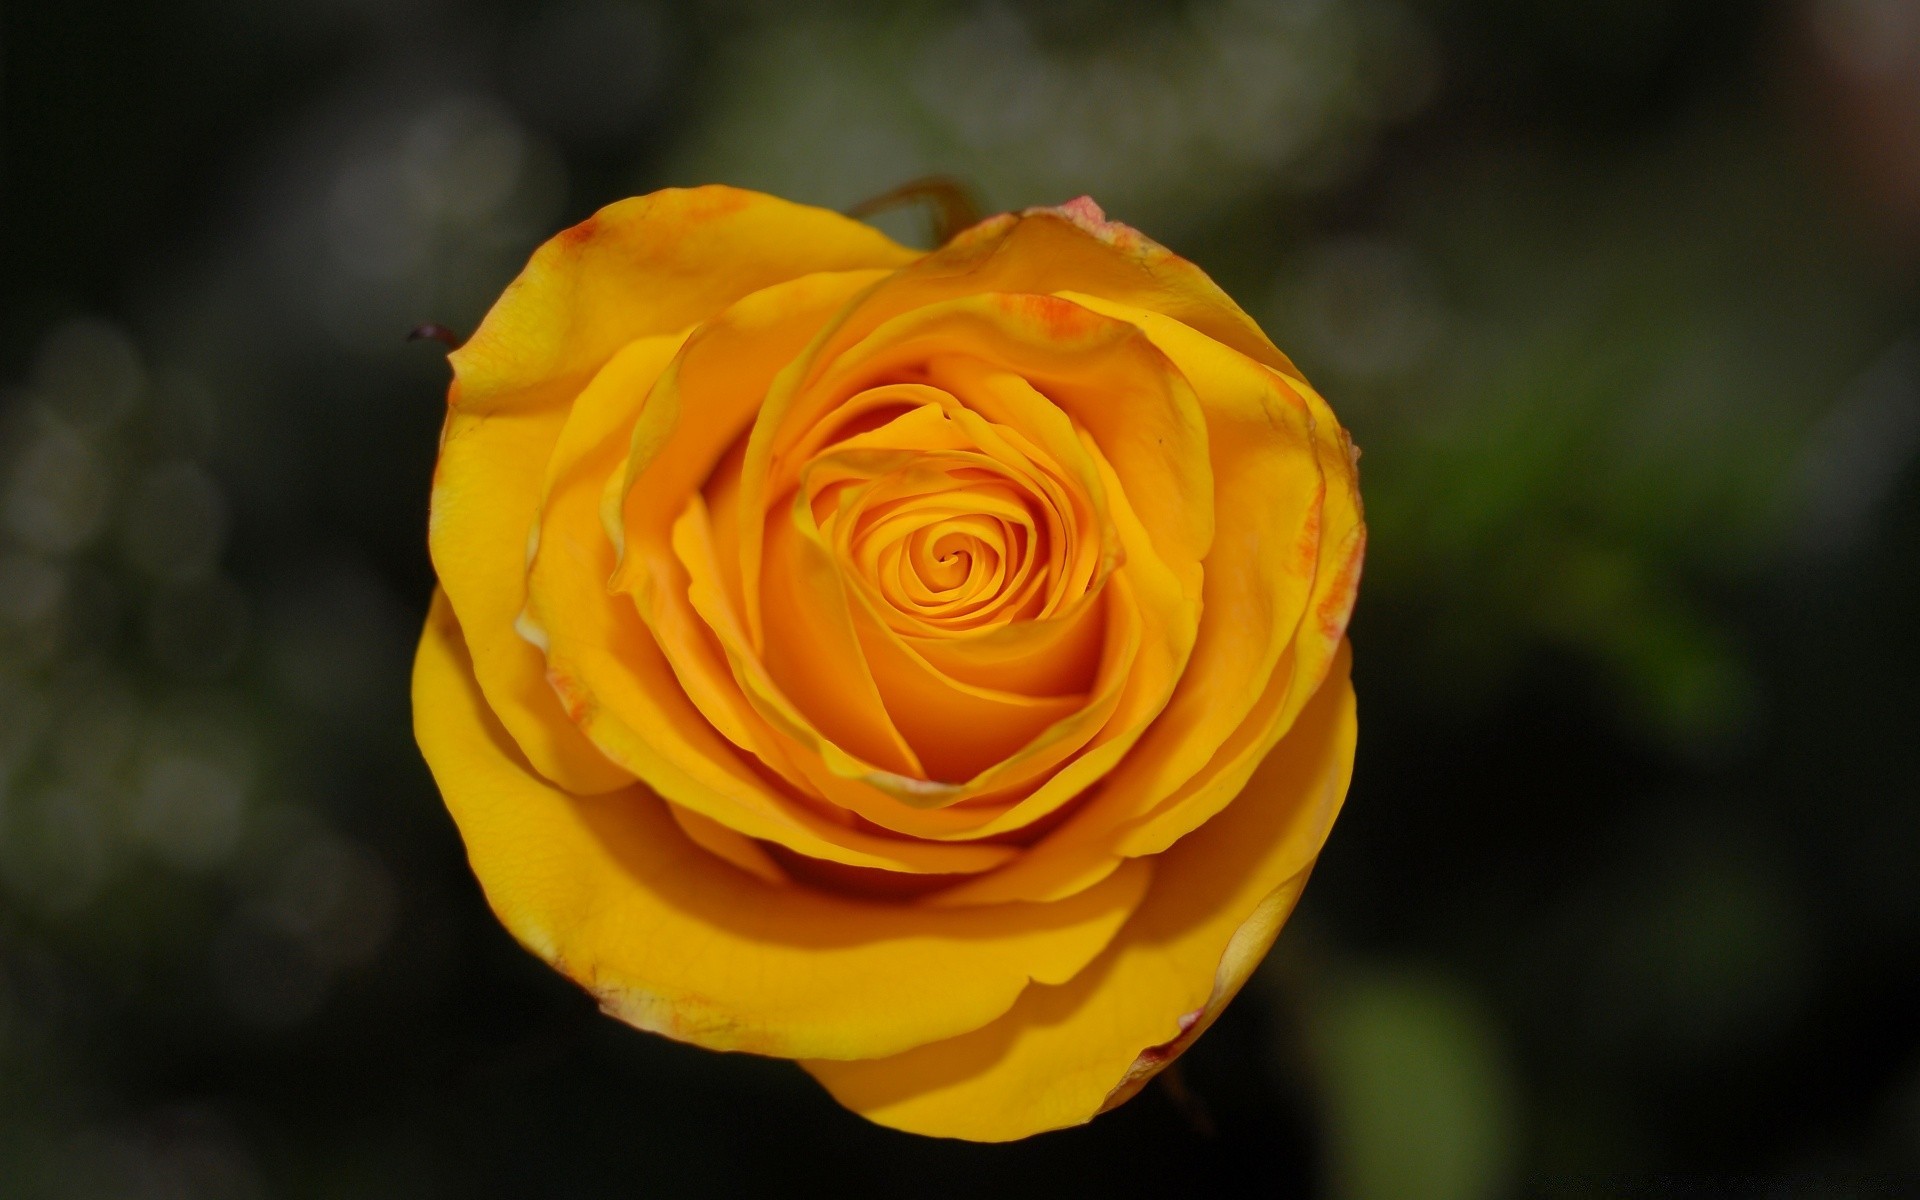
946 545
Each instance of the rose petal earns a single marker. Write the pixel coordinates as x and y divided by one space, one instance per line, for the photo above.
640 268
648 265
1098 375
1289 525
1044 251
486 496
618 686
1218 899
672 939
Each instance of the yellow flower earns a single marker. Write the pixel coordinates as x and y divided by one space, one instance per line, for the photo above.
928 667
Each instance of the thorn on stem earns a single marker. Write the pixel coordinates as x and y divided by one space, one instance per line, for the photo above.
436 332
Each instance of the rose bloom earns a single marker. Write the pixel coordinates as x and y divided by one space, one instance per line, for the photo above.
930 667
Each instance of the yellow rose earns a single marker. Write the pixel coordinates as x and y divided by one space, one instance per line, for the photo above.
930 667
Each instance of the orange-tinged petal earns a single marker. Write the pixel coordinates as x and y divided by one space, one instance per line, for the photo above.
1063 509
599 427
1043 657
1278 507
1102 375
709 396
671 598
644 266
1214 786
1218 898
618 686
680 434
1167 624
813 650
956 729
1343 547
654 696
1072 248
675 439
716 839
673 939
1171 594
1011 419
600 419
1311 662
960 730
638 268
1314 657
1053 868
937 812
1149 632
853 783
1093 368
1097 837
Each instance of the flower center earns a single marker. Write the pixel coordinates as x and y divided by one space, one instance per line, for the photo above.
942 541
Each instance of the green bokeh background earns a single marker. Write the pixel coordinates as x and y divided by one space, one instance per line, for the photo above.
1620 298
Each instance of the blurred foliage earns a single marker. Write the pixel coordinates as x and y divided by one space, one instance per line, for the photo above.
1418 1100
1619 298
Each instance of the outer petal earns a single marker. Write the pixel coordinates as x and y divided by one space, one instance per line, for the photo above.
1280 584
1063 1053
1072 248
1311 657
648 265
1260 569
672 939
486 494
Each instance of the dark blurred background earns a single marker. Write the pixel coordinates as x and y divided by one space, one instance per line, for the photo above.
1620 297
